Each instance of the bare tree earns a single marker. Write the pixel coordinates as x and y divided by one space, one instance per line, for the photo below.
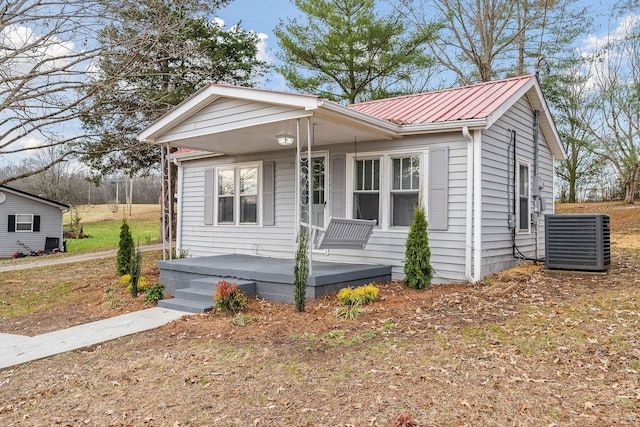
481 40
46 47
574 104
617 80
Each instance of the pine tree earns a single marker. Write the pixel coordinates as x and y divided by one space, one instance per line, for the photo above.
417 265
125 250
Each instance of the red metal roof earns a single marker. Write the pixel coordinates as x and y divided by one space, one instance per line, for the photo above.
461 103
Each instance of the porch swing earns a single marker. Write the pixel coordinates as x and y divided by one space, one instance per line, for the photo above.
343 233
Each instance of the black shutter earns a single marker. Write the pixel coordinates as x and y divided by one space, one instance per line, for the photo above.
36 223
12 224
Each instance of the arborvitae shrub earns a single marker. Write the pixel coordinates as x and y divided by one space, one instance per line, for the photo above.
301 270
136 269
125 250
417 261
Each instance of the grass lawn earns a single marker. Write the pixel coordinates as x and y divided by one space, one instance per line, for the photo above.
103 225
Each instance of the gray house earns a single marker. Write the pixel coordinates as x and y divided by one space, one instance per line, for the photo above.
255 164
34 221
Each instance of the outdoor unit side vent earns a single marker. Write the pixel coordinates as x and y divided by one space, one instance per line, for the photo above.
577 242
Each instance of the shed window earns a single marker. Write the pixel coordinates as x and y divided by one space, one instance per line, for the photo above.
24 223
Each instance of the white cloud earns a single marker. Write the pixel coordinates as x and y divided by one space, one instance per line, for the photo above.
24 48
30 142
594 42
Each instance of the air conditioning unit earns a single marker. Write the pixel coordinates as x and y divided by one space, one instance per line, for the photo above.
577 242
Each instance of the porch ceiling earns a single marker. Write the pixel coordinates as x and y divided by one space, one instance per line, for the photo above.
262 137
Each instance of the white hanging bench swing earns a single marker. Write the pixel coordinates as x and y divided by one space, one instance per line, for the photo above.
342 233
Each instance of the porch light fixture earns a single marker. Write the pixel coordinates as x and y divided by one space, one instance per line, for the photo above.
285 139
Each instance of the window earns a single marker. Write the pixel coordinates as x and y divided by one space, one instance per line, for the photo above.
237 195
405 189
385 187
523 195
366 193
24 222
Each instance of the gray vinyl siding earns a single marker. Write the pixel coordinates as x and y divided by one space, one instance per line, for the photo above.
385 247
497 251
50 224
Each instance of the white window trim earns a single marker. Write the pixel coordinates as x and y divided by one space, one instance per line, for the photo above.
386 178
524 231
30 230
236 196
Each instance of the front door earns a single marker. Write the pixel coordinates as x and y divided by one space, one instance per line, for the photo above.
317 202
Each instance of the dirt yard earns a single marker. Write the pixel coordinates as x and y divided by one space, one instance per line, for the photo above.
525 347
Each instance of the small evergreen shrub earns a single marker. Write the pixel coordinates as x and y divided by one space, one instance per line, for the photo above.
135 270
126 250
301 270
417 261
360 295
153 294
229 297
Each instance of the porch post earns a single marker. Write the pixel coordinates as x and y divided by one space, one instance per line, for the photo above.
309 195
166 202
298 199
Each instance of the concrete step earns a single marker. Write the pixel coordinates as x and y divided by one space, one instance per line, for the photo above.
189 306
211 283
195 294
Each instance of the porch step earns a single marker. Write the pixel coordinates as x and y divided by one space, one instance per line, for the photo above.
189 306
211 283
198 297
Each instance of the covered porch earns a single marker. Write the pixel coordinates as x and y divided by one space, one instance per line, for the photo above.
192 281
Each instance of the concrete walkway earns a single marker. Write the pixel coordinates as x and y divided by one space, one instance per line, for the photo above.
17 349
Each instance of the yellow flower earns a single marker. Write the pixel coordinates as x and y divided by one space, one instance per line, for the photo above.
125 279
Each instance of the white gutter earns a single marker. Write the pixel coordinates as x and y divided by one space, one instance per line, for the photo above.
469 211
477 203
473 217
